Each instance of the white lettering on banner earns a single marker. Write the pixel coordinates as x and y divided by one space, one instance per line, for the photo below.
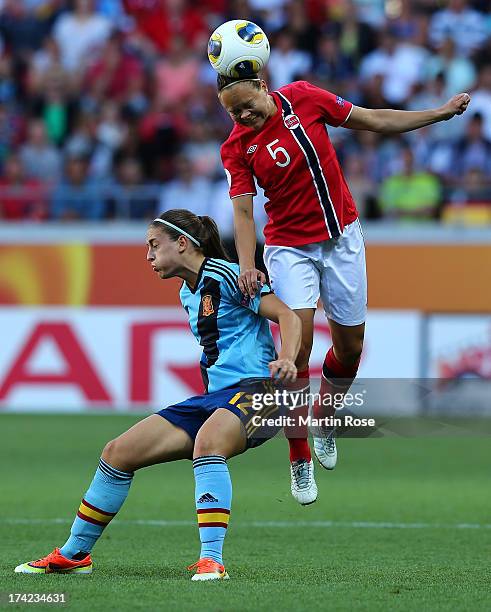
74 359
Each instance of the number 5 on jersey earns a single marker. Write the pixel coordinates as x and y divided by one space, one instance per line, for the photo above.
274 153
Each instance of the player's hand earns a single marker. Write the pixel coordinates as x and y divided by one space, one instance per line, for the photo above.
283 369
456 105
250 281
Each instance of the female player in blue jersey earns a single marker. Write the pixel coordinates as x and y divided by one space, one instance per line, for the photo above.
238 351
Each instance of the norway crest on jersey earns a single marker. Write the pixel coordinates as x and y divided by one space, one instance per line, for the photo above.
207 303
291 122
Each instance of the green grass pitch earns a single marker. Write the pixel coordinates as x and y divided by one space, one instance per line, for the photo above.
403 523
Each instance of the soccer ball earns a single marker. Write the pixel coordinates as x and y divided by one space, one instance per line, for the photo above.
238 48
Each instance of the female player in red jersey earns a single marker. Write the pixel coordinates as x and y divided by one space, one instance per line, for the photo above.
314 244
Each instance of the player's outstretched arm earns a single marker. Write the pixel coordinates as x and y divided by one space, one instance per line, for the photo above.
290 324
245 243
388 121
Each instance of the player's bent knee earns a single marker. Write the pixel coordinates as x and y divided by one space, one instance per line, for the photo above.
350 355
116 453
205 446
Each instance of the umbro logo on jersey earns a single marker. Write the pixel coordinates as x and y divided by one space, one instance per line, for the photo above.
252 148
291 122
207 498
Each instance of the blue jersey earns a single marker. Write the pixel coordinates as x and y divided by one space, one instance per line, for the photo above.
237 342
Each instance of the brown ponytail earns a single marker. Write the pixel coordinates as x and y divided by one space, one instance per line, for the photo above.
213 246
203 229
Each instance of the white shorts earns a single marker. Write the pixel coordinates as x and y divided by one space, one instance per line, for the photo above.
332 270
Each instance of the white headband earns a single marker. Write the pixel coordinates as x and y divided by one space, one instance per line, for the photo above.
239 81
178 229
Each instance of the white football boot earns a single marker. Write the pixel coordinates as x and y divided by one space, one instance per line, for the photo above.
325 450
304 488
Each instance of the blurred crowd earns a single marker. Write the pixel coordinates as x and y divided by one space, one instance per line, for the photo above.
108 108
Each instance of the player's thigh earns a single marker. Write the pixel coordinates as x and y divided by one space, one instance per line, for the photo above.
221 434
294 276
150 441
343 285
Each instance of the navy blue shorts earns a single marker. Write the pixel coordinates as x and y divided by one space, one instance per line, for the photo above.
192 413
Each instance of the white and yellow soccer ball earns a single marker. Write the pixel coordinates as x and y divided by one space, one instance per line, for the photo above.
238 48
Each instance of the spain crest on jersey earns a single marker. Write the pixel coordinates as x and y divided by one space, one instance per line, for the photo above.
207 303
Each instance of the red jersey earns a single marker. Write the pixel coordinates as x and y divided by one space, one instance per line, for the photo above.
295 163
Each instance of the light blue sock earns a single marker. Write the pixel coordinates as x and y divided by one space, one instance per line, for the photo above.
100 504
213 500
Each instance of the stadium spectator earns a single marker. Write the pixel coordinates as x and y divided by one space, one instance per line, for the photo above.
356 38
286 63
409 194
187 189
203 150
473 151
110 134
46 71
40 159
21 198
57 111
371 12
160 20
400 65
176 74
458 21
481 99
136 101
79 33
305 31
473 189
81 142
113 10
11 129
331 65
406 23
362 187
129 198
459 72
433 92
270 11
114 69
22 30
8 87
160 138
77 197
